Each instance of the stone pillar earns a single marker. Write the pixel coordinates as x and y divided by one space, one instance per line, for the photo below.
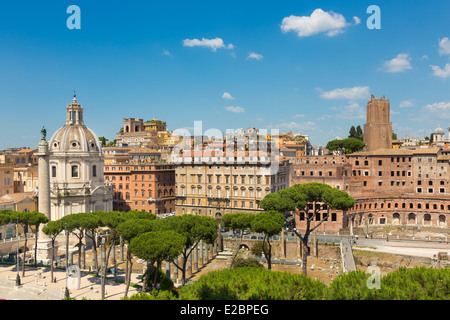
121 249
168 269
220 239
175 271
189 266
202 262
206 253
70 258
83 256
44 244
113 255
195 258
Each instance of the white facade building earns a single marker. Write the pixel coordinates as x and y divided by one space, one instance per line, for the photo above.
76 168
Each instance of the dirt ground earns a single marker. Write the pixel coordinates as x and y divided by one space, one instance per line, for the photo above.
387 262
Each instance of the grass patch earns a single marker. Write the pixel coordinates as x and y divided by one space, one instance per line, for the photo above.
368 247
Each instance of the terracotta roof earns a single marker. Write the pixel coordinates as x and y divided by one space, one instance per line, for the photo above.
382 152
426 151
144 150
26 150
17 197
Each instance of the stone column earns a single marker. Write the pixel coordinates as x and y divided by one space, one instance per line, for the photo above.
44 245
70 258
189 266
121 249
202 262
168 269
206 253
83 256
175 272
113 255
195 258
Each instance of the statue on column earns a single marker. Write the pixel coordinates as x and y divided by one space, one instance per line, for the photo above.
44 133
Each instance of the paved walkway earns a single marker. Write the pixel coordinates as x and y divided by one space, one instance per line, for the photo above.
32 285
416 252
348 260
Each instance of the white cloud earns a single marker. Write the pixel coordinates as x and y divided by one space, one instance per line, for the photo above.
406 104
256 56
400 63
438 106
301 126
213 44
234 109
442 73
355 93
298 116
356 20
352 111
444 46
320 21
227 96
167 53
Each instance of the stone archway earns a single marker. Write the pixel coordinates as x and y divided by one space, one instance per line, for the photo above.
442 221
411 218
244 247
396 218
427 219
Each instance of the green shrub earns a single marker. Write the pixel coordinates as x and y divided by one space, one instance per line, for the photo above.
249 283
164 282
240 262
403 284
154 295
257 248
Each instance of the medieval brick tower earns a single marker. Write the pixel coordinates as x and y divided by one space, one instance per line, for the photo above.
378 129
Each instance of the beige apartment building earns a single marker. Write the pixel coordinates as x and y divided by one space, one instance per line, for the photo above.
6 179
218 188
26 179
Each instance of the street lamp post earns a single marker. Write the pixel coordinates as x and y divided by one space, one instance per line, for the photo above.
103 255
66 291
17 253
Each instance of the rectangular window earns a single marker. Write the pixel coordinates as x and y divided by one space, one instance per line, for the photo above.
74 171
53 171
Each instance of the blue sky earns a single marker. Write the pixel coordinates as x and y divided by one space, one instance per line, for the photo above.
305 66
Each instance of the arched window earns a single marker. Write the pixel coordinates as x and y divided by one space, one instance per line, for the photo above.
53 171
442 221
411 218
427 218
396 218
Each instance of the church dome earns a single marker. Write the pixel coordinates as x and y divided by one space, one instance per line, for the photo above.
74 136
439 130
